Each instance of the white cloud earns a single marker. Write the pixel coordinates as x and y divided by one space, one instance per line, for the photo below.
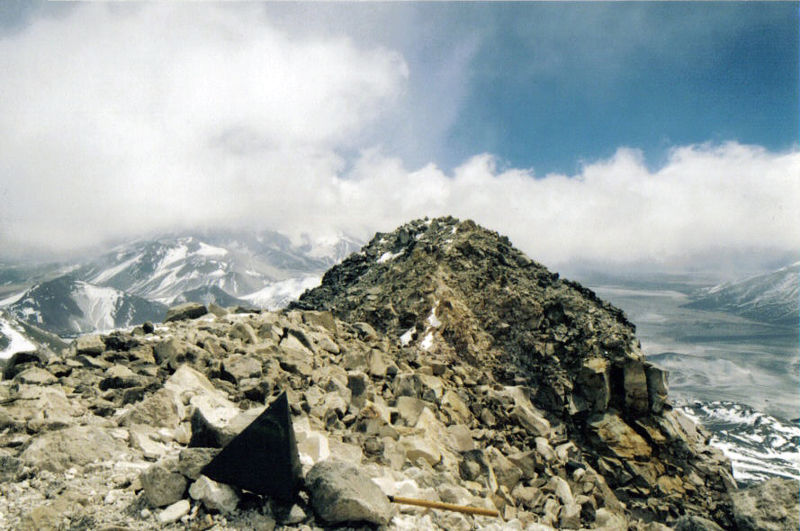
119 122
706 200
115 120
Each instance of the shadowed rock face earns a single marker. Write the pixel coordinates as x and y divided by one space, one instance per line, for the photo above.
459 294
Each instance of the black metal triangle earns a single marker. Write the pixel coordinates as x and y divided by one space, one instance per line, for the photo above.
263 457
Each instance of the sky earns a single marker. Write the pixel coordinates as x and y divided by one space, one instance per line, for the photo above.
617 134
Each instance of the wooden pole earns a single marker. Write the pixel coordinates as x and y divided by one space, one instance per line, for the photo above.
444 506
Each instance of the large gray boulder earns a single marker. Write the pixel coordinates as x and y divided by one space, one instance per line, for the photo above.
340 493
771 505
77 445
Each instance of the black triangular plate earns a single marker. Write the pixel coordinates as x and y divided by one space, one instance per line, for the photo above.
263 457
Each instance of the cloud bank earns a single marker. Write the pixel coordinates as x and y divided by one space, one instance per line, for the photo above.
119 122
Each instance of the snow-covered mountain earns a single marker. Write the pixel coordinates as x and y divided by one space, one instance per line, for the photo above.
136 281
67 306
771 297
221 266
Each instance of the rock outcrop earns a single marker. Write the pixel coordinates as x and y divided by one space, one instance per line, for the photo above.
439 364
455 295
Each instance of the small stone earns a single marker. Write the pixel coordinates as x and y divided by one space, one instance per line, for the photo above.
161 486
418 448
409 409
214 496
506 472
174 512
295 516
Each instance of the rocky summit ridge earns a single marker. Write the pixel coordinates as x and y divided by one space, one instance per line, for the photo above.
437 363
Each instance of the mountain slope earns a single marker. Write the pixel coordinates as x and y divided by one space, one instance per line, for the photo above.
223 266
66 306
453 294
771 297
18 336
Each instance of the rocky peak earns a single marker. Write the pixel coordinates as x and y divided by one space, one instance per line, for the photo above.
457 371
454 293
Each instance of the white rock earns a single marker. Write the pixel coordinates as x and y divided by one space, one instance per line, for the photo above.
174 512
562 490
313 448
416 447
214 496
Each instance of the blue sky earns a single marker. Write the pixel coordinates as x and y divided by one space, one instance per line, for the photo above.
610 133
552 85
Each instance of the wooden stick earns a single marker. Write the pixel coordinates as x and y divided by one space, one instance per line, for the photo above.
444 506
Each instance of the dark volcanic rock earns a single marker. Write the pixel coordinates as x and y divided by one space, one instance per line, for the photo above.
189 310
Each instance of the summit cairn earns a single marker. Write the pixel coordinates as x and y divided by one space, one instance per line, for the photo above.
573 396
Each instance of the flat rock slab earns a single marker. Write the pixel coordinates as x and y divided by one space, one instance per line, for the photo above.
190 310
340 493
78 445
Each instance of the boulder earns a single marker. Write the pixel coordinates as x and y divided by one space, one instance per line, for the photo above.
420 448
244 332
158 409
191 461
59 450
635 387
238 368
91 345
593 388
695 523
657 387
341 492
162 486
189 310
506 472
211 423
35 376
617 437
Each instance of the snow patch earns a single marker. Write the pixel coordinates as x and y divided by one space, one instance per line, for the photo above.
111 272
427 341
388 257
405 339
175 254
433 321
279 294
12 299
210 250
17 341
98 305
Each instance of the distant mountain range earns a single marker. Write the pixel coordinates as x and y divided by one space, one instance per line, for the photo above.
137 281
70 307
770 297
